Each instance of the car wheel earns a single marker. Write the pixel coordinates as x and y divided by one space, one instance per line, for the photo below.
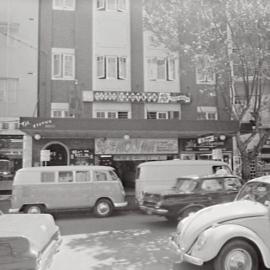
103 208
34 209
237 254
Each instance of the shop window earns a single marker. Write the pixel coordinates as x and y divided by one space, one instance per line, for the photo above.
174 115
65 177
64 5
63 64
112 5
157 115
82 176
151 115
112 115
47 177
100 115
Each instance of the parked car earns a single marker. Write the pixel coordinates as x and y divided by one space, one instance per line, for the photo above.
233 235
160 175
27 241
191 194
56 188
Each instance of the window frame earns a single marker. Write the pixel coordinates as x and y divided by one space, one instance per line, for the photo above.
161 67
171 69
63 5
203 71
122 71
113 65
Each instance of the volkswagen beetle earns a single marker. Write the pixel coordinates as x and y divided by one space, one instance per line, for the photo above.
230 236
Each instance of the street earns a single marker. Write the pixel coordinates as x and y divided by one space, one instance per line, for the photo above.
127 240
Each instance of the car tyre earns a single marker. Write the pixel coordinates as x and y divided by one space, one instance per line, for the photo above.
103 208
34 209
237 254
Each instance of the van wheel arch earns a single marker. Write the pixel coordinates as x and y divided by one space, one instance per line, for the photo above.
40 208
103 207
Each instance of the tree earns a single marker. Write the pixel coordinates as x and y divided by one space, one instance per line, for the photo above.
235 37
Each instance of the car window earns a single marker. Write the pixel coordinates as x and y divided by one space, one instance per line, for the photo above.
82 176
100 176
211 185
232 184
47 177
65 177
5 250
113 175
186 185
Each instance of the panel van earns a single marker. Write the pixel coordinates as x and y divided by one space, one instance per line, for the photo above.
160 175
41 189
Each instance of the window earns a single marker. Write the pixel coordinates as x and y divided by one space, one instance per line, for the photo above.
100 115
122 68
5 250
100 176
122 115
157 115
204 71
64 4
8 90
211 185
152 68
161 69
63 64
101 67
111 67
60 110
65 177
111 115
47 177
207 113
82 176
174 115
232 184
112 5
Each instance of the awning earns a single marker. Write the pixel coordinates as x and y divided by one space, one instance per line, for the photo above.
117 128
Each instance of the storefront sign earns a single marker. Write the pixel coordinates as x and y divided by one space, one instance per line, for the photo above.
81 157
193 145
136 146
141 97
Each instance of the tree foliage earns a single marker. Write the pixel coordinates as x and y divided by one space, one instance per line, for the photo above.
235 34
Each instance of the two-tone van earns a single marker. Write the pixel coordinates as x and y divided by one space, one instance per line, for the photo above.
42 189
159 175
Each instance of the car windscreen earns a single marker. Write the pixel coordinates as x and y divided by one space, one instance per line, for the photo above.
255 191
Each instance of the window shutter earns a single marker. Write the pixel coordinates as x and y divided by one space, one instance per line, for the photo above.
56 65
100 4
122 5
122 68
161 69
68 65
170 69
101 74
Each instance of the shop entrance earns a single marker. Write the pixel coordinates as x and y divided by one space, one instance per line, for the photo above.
58 155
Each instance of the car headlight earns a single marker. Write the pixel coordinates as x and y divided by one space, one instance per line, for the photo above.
201 241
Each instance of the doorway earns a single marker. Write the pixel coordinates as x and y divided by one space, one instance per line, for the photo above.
58 156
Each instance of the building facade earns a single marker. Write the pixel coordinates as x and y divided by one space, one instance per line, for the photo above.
18 77
109 95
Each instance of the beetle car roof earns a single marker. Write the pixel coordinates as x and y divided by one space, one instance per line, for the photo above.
263 179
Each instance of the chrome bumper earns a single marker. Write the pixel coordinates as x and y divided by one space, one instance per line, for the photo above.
14 210
184 257
120 205
150 210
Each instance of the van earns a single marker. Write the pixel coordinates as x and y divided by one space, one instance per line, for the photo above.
42 189
160 175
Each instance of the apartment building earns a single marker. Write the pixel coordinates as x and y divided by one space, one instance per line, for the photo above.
109 95
18 76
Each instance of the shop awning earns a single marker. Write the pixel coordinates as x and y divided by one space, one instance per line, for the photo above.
115 128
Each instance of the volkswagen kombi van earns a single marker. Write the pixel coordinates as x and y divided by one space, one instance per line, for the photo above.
160 175
41 189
